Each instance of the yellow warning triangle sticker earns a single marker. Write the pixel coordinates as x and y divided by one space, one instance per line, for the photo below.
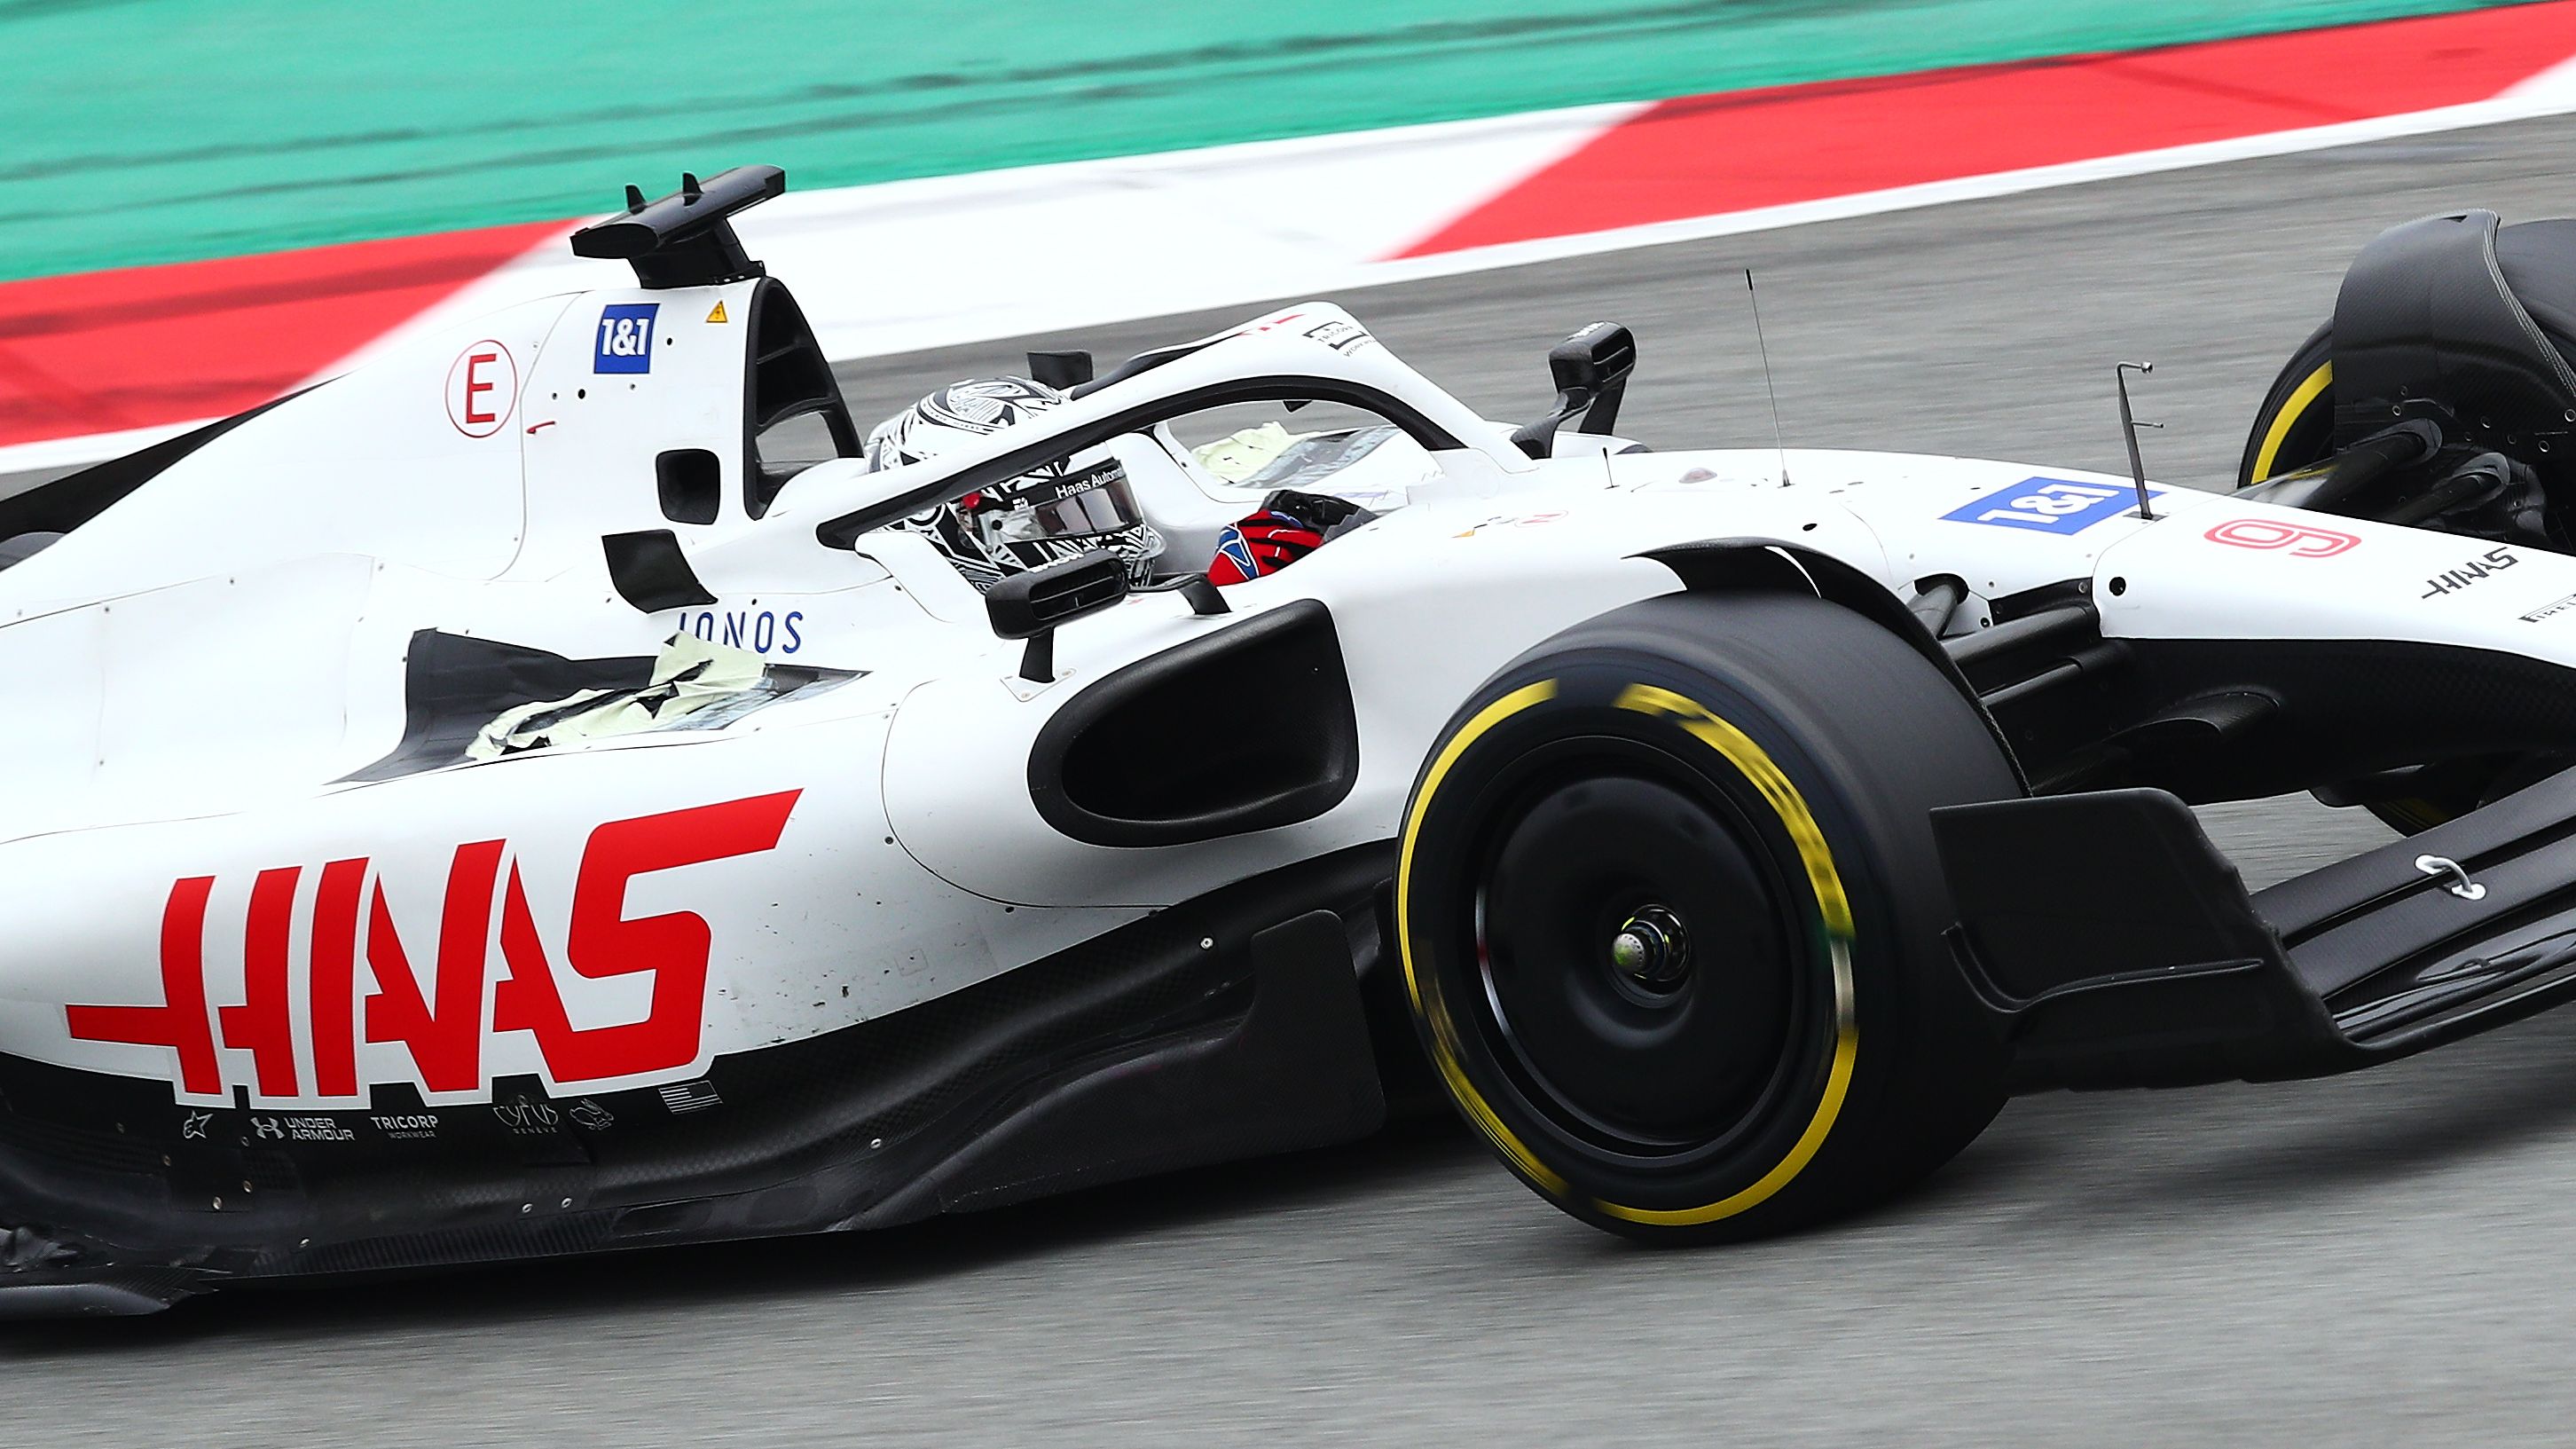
718 315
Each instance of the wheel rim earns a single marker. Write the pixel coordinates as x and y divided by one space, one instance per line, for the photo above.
1639 953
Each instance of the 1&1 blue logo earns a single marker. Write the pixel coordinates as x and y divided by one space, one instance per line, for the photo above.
2049 505
625 337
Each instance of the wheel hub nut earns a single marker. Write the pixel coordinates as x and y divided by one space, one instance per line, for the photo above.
1651 948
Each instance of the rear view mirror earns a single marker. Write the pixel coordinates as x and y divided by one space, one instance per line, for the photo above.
1063 371
1590 370
1032 605
1593 362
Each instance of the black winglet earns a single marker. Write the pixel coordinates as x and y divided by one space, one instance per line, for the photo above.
686 239
651 573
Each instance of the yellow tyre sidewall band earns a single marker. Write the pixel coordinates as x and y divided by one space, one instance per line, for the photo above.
1834 921
2288 417
1427 1003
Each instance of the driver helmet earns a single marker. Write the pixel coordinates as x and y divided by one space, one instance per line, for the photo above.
1063 510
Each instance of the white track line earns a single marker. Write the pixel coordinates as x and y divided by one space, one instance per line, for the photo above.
910 265
2521 104
89 448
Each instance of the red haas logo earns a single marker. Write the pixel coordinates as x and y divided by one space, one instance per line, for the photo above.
438 1019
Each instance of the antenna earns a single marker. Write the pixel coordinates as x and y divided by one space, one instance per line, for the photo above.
2129 432
1779 442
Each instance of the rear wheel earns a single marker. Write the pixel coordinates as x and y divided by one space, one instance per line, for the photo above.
1671 916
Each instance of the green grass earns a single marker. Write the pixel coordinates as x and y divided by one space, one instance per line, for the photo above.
166 130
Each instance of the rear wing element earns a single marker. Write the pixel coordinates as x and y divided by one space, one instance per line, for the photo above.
685 239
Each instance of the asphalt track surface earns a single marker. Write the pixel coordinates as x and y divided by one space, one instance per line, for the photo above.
2378 1259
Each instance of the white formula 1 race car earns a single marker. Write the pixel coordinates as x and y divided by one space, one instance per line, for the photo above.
532 796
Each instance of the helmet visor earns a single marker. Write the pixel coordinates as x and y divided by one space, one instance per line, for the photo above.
1081 504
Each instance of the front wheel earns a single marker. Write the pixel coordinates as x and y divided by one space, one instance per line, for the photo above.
2295 425
2294 429
1671 916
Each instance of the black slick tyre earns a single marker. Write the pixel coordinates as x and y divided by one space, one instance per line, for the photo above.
2293 429
1670 915
2295 425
